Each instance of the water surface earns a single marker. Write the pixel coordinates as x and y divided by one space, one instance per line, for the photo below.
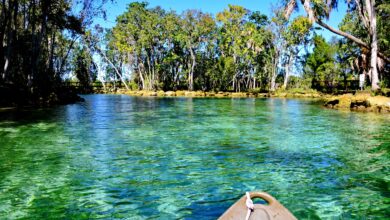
123 157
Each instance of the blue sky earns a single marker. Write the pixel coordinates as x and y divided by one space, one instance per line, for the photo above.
211 6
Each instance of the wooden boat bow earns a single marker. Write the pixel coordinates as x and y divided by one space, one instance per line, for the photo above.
272 210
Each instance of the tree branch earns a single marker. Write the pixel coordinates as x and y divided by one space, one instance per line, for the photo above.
291 5
362 14
309 10
351 37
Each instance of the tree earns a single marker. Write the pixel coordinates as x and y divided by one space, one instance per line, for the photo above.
37 38
241 36
321 65
230 36
172 64
297 36
278 27
318 10
196 28
84 69
139 38
169 51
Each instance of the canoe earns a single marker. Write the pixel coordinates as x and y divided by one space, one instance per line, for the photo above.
272 210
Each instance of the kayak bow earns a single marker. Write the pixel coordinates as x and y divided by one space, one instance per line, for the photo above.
245 209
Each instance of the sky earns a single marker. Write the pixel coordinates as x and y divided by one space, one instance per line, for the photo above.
213 7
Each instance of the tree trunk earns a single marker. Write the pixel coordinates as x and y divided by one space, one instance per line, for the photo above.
176 76
312 17
191 72
150 86
99 68
63 61
10 35
153 77
51 56
374 46
116 69
273 79
234 75
33 46
287 71
3 24
273 72
141 77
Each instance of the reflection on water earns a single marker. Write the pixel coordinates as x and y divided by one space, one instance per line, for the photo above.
131 157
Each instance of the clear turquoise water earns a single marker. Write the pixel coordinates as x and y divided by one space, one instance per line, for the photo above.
167 158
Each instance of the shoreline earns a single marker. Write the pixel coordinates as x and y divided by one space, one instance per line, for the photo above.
201 94
359 102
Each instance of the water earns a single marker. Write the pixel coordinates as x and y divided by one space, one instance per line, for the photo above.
121 157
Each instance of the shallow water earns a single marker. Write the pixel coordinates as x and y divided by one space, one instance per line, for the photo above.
166 158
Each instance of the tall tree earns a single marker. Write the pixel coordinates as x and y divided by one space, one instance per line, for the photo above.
320 10
297 37
196 28
241 38
321 62
278 27
231 41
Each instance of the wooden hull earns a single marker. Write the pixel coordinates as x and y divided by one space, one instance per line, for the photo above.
272 210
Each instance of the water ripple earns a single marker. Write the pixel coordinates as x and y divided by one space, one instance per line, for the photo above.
120 157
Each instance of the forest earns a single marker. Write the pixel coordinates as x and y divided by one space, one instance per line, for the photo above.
46 44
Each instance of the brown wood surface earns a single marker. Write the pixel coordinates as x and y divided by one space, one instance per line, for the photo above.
273 210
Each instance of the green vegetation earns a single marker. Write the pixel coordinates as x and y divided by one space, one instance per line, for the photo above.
45 43
127 157
240 50
40 39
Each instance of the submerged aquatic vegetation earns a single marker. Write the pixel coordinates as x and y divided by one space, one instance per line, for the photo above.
143 157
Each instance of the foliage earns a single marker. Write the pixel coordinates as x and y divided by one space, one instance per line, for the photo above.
364 13
84 69
37 38
149 48
193 50
320 65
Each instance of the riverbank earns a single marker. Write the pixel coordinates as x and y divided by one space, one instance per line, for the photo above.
11 98
362 102
283 94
